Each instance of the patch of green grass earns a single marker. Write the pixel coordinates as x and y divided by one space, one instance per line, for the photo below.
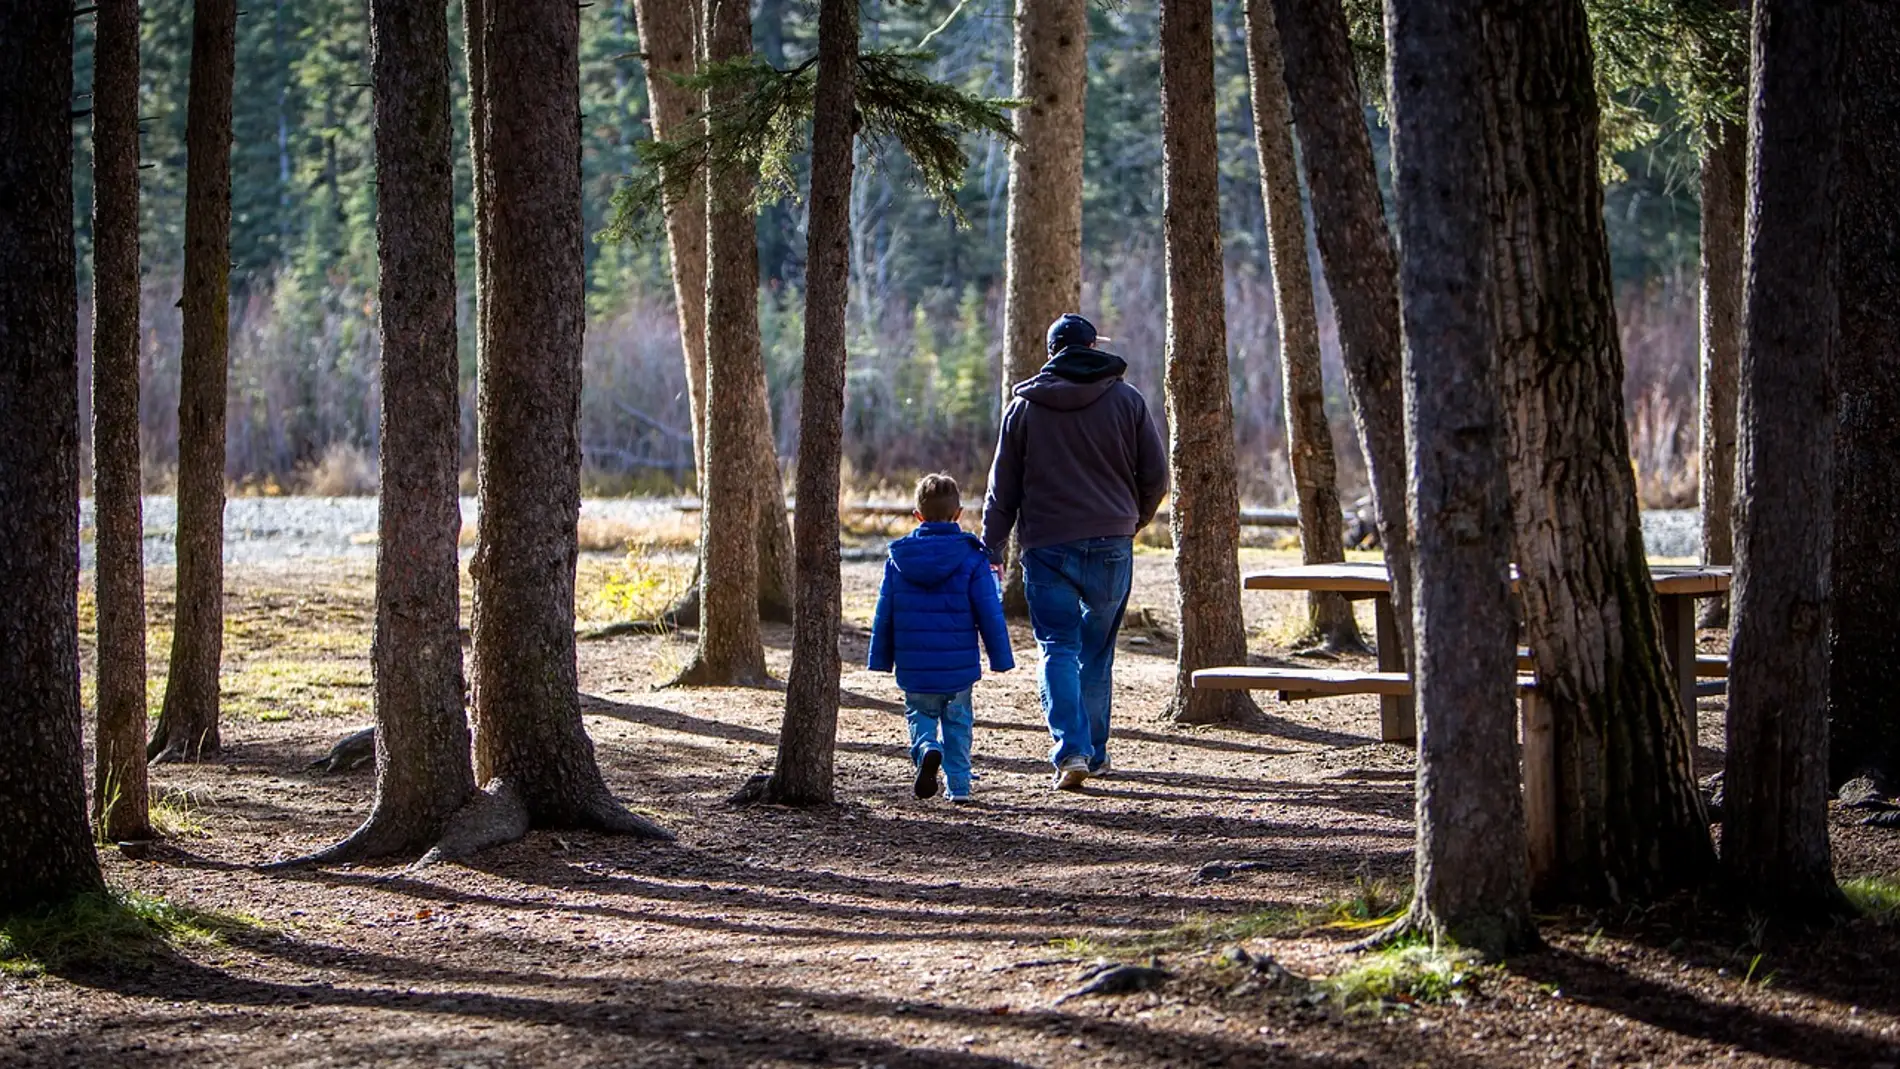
1264 924
107 928
1374 903
175 816
1876 896
1081 946
1406 975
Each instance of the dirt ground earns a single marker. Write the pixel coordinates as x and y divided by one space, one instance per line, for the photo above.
885 931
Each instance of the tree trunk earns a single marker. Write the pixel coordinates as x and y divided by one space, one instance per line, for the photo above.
1471 882
423 774
1724 203
188 721
670 35
1309 437
120 803
730 649
1356 251
807 740
1205 513
1774 830
46 854
1043 264
528 730
669 43
1864 728
1629 822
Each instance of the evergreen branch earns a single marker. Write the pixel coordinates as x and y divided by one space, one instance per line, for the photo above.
761 129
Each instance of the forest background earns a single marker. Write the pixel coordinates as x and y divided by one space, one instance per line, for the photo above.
926 295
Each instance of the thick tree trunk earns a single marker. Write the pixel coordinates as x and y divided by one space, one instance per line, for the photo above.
807 740
120 802
1043 262
423 775
1205 513
1356 250
1629 821
1774 829
46 854
1471 883
188 721
1724 204
730 649
1309 437
1864 679
528 730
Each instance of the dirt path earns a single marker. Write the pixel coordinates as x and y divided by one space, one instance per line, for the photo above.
885 931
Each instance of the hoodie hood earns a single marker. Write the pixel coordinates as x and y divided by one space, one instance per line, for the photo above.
1076 377
933 553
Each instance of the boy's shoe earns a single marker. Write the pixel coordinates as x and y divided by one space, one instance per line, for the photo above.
959 799
926 785
1071 774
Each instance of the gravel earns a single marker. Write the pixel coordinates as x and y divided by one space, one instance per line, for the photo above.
272 529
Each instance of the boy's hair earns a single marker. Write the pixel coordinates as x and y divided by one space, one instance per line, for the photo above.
938 499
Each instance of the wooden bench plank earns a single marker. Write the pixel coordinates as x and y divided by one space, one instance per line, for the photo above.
1317 681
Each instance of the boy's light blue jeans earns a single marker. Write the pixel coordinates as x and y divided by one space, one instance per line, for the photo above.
942 722
1077 593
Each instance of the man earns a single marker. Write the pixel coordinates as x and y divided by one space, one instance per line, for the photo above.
1079 469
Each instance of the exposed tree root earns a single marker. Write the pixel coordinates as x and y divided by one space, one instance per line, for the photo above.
604 814
764 789
350 752
493 816
378 837
700 674
1232 707
161 752
683 614
626 627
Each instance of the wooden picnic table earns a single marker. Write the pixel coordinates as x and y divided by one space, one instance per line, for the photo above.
1678 586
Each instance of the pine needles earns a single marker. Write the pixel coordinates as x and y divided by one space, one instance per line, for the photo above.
762 130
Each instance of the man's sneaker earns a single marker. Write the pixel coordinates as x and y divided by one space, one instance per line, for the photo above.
1072 773
926 785
1106 768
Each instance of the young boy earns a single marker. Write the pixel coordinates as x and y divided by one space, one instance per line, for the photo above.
938 595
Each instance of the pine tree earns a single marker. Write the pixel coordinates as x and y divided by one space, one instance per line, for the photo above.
1471 884
1205 509
1774 832
527 718
1329 618
46 854
1630 825
1043 271
187 726
808 737
121 806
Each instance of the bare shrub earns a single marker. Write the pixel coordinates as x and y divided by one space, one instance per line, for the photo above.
345 470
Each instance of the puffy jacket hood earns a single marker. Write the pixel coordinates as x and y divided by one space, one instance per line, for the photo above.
1076 377
933 553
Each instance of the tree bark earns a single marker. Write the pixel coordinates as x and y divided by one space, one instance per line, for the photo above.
1629 821
670 45
1471 880
1864 648
671 36
1205 512
1774 831
730 649
46 854
1043 261
423 775
121 802
1309 437
1724 204
1355 249
807 740
528 730
187 726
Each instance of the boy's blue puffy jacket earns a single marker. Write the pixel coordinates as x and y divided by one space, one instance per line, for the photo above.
938 594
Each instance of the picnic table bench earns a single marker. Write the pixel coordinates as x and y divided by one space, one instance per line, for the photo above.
1677 589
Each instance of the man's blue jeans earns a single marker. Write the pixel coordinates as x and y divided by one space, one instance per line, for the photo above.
942 722
1077 594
